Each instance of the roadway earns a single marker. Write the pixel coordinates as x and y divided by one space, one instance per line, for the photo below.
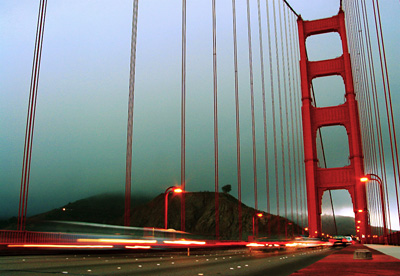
227 262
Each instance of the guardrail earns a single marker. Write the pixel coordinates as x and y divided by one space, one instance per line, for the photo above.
52 240
30 237
390 239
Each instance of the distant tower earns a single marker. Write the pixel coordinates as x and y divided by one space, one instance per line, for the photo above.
322 179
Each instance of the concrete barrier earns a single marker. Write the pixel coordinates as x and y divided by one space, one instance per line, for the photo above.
362 254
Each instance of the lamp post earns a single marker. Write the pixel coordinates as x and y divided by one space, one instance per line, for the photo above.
376 178
254 217
173 189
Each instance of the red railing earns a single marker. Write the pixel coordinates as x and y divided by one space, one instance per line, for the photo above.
390 239
26 238
29 237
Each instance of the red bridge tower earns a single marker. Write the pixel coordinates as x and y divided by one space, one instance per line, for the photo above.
321 179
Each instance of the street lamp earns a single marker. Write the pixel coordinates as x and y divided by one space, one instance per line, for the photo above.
254 217
376 178
173 189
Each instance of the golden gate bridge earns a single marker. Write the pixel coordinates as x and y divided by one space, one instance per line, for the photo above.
297 159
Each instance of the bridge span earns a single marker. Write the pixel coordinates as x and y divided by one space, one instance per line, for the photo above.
293 172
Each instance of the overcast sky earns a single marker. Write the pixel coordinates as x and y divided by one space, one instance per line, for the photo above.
80 133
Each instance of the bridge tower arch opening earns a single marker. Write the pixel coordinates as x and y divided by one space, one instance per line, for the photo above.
328 91
343 207
318 179
330 42
333 149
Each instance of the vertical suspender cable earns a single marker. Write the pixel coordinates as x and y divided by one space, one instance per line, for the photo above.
388 101
33 112
30 120
377 113
291 9
389 94
298 135
264 106
281 115
357 60
278 85
370 75
289 91
128 174
368 125
371 205
377 208
253 131
28 130
214 26
273 115
183 116
303 201
239 171
375 100
293 110
368 97
369 132
362 92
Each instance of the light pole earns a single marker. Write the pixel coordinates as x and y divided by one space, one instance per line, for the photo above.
173 189
254 218
376 178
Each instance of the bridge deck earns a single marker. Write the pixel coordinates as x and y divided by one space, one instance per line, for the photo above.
342 263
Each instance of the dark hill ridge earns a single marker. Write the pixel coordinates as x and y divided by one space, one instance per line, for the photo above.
345 225
200 218
200 215
104 208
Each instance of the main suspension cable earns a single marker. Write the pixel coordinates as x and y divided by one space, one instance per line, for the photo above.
290 7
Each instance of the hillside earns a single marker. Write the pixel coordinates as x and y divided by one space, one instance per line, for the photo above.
345 225
104 208
200 215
